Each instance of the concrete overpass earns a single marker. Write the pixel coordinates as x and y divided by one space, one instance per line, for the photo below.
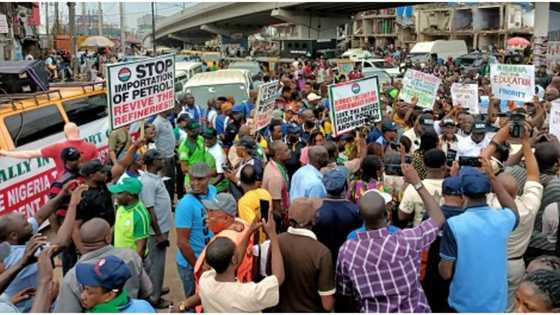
200 22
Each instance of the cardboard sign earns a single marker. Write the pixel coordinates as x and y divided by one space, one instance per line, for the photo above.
345 66
513 82
268 93
466 96
353 104
554 120
422 85
140 89
4 28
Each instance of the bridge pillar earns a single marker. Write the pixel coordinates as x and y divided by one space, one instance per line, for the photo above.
314 26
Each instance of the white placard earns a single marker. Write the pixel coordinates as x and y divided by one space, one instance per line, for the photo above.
513 82
554 120
466 96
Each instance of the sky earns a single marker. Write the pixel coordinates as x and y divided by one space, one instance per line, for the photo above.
132 11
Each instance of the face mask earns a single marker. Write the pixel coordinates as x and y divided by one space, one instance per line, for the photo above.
309 124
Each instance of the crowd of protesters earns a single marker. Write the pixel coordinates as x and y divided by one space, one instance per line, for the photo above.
437 210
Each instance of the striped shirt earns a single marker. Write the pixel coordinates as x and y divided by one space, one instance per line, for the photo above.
132 224
551 194
381 270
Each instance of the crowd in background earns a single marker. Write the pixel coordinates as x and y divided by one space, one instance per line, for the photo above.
435 209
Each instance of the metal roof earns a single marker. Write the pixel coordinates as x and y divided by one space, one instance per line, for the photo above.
218 77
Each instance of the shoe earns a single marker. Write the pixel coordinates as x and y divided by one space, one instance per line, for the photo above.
164 291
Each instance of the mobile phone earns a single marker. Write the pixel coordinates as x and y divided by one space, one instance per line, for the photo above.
265 207
451 155
40 250
469 161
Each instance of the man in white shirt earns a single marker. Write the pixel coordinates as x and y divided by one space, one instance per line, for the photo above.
527 204
215 149
424 121
412 206
220 292
472 145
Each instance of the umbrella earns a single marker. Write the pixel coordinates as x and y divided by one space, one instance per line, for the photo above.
518 42
97 41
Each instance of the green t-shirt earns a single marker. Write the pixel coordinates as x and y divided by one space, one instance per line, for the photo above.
195 152
132 223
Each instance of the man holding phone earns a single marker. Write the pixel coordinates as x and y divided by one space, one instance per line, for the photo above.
250 203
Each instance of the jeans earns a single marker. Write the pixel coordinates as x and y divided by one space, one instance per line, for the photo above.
157 268
187 277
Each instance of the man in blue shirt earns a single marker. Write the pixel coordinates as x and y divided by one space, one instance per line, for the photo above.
191 224
308 180
390 134
474 245
188 107
104 287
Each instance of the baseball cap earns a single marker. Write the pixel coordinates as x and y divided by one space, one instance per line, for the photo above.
90 167
313 97
237 108
426 120
209 133
193 124
70 154
109 272
246 142
389 125
452 186
479 127
447 122
222 201
302 210
474 182
335 180
200 169
183 117
130 185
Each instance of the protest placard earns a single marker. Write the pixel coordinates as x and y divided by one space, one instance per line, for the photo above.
345 66
513 82
554 120
466 96
552 54
140 89
268 93
353 104
422 85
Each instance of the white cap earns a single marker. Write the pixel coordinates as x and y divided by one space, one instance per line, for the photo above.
386 197
313 97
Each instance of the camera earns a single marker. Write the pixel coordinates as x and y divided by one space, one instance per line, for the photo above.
517 128
469 161
394 169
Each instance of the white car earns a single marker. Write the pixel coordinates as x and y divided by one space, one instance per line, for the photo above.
368 65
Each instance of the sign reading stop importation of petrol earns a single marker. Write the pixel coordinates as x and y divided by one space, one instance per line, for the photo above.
353 104
140 89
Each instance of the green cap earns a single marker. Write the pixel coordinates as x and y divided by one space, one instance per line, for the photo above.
130 185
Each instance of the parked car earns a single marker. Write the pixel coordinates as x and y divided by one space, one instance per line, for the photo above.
382 77
184 70
473 61
423 51
231 82
369 65
252 66
356 54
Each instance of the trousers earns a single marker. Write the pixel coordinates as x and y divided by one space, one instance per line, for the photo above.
157 266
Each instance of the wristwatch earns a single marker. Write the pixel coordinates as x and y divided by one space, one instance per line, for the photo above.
418 186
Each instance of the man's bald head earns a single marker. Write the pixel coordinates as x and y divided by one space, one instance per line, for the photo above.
509 182
244 130
71 131
372 208
318 156
94 230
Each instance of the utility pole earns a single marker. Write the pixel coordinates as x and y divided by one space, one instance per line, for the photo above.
73 46
123 33
154 28
100 19
47 24
82 24
56 21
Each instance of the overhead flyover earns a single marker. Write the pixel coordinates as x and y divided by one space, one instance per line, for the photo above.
200 22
